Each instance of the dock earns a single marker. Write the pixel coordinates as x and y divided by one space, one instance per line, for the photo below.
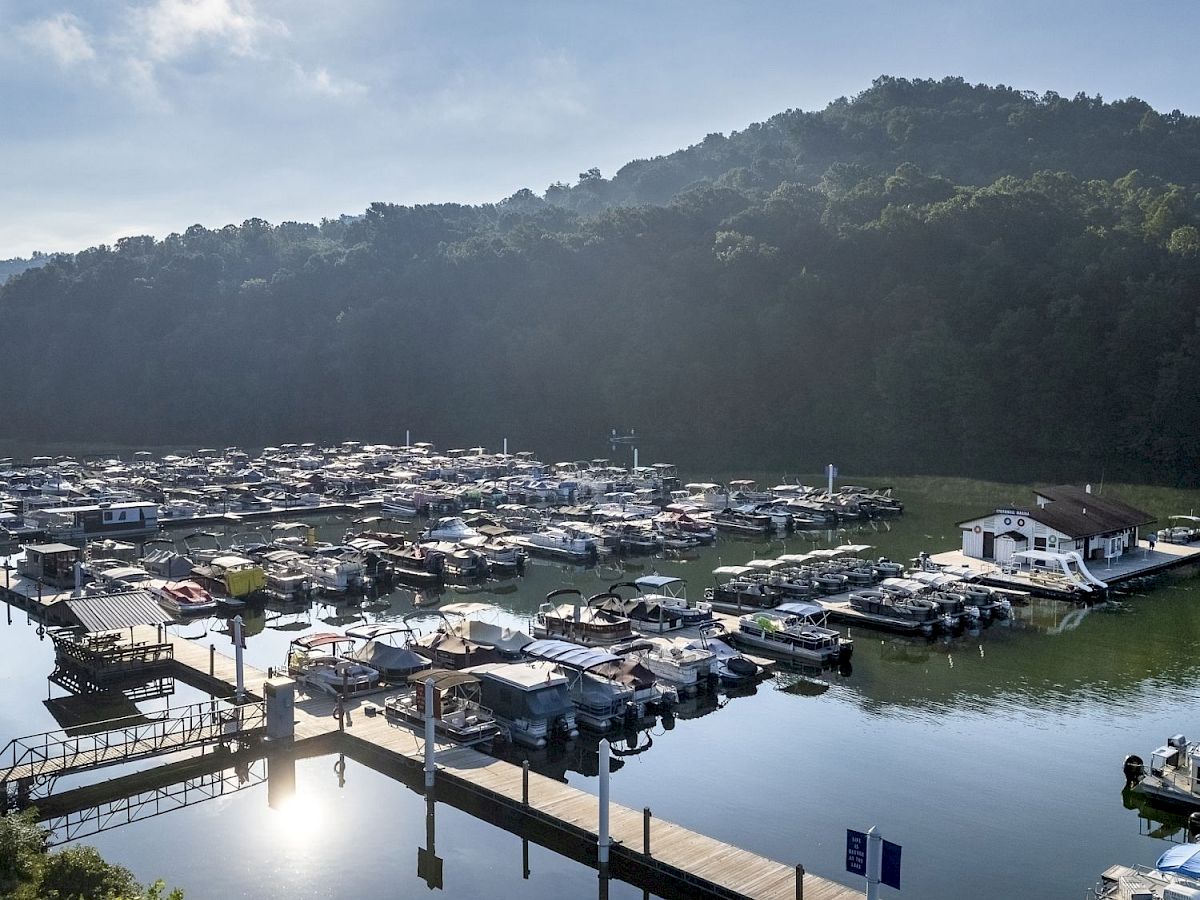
1140 563
650 852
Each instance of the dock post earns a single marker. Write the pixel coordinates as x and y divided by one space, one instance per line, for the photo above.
874 862
646 830
212 659
525 782
430 762
602 838
237 655
799 882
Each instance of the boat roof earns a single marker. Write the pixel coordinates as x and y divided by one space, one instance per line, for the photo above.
795 557
322 639
443 679
767 564
1183 859
854 548
523 675
376 630
568 654
800 609
732 570
1186 518
229 561
656 581
826 554
467 608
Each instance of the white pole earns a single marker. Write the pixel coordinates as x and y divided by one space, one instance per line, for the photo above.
430 764
829 472
635 457
506 446
874 863
407 438
78 578
603 837
237 655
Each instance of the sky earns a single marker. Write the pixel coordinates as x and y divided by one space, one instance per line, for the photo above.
124 117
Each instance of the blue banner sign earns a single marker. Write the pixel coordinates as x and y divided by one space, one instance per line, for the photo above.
890 869
856 852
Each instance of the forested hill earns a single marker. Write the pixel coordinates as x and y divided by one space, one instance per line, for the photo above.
932 277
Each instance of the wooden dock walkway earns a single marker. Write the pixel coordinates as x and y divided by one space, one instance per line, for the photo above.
681 862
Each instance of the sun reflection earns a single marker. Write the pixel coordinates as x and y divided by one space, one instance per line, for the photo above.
298 818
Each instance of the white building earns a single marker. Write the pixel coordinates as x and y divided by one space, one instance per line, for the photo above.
1063 520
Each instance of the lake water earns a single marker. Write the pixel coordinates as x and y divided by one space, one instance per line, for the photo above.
993 758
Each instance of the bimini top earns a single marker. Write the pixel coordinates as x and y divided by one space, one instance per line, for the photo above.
443 679
376 630
1183 859
735 571
568 654
323 639
656 582
803 610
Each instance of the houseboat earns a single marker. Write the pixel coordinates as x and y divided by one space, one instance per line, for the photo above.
531 700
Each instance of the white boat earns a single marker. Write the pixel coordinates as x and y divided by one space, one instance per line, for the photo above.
449 528
557 543
795 631
319 662
673 660
579 621
1176 876
458 714
1173 775
184 598
670 593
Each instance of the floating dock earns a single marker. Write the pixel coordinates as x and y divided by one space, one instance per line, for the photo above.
660 856
1140 563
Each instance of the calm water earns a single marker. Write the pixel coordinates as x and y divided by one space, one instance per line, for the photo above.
993 758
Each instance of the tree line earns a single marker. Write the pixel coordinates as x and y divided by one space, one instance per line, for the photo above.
930 277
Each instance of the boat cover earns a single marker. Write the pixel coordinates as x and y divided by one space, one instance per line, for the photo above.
800 609
1183 859
506 640
389 658
568 654
656 582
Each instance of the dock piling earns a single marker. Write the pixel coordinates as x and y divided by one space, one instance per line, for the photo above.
602 836
799 882
237 656
430 764
525 783
646 830
212 659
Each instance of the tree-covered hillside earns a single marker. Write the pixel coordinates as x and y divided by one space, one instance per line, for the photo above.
932 276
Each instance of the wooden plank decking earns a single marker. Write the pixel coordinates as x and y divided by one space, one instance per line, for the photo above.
691 860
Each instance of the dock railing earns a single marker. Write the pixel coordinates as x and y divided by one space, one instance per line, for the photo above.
45 757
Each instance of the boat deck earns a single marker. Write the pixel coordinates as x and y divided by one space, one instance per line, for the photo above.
1136 564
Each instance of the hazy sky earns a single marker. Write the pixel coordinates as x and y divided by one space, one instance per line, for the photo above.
146 116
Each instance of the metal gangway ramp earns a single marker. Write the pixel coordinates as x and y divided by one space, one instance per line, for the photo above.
37 761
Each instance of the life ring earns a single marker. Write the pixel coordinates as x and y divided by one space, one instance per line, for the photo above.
1007 520
1020 523
978 529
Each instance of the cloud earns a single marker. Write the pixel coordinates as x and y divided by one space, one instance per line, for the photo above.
320 81
171 28
63 37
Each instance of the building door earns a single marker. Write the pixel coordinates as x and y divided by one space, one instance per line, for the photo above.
989 544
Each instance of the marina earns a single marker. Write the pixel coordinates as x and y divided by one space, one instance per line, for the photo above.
825 570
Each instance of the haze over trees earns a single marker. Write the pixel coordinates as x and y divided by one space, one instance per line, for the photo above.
931 277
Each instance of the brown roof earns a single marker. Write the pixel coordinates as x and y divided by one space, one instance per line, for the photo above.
1077 514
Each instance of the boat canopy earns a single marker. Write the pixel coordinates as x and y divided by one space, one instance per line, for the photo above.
734 571
468 608
230 561
854 548
656 582
1183 860
323 639
827 554
504 639
443 679
766 564
804 610
568 654
795 558
1185 518
376 630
